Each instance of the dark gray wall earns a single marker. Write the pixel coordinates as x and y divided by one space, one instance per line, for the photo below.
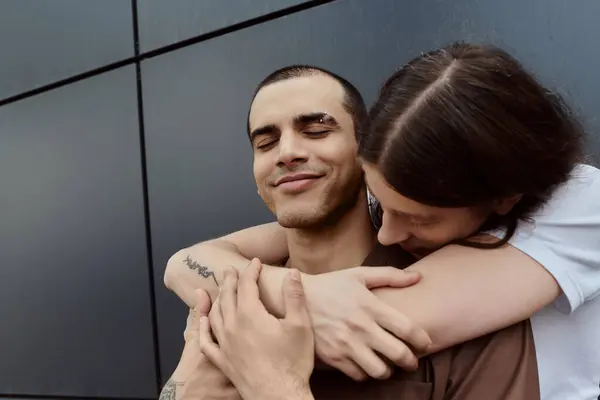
166 22
74 293
45 41
82 302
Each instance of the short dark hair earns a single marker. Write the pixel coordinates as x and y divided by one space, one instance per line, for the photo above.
466 125
353 100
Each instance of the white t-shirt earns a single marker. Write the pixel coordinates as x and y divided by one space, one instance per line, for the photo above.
565 239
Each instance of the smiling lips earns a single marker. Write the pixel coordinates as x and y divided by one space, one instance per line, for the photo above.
296 182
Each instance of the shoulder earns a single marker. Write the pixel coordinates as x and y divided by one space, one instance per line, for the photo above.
564 237
578 197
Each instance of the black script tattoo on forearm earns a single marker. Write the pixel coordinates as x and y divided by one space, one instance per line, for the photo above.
169 391
205 272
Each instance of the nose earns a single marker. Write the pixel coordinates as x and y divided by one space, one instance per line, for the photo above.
291 150
392 231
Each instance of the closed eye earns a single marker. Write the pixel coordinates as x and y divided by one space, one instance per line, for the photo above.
421 224
266 144
317 133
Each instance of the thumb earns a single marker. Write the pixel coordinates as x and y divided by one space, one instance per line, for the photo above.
294 298
202 303
201 309
374 277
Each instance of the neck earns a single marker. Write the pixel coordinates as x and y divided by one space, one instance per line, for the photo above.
341 245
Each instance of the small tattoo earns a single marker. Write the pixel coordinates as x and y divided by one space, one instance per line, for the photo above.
170 390
202 270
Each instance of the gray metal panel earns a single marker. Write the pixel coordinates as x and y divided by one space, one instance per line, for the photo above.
45 41
196 99
74 292
165 22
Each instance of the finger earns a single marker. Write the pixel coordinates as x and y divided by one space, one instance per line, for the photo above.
295 299
400 326
216 321
374 277
202 302
248 293
369 362
392 349
207 345
201 309
228 296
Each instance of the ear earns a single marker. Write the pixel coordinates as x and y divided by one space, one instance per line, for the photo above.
505 205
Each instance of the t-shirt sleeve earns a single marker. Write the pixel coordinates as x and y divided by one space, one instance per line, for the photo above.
564 237
499 366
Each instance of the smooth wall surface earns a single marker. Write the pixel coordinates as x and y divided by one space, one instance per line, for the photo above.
102 180
46 41
74 293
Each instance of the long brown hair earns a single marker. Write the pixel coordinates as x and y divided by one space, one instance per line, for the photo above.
466 125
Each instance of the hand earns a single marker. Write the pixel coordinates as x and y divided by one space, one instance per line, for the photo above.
263 356
195 377
351 325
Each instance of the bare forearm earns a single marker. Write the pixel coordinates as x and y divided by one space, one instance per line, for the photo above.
202 266
466 293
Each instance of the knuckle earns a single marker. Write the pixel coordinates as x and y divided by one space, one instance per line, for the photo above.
342 339
332 357
297 294
357 323
412 334
405 325
202 343
387 270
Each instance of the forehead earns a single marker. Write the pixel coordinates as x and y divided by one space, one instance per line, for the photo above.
278 103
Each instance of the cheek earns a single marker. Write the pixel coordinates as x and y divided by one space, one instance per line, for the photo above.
449 230
437 235
347 165
260 173
338 151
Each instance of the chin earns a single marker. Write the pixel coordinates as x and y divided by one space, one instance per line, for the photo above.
300 220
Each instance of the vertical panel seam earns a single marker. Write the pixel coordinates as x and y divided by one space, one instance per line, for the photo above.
144 176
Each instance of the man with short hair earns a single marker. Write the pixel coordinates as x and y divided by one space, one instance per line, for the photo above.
303 125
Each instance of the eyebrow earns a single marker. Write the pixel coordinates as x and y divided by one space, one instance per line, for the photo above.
263 130
416 217
316 118
299 121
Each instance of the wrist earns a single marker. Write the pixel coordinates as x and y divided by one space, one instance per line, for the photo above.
303 393
270 285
